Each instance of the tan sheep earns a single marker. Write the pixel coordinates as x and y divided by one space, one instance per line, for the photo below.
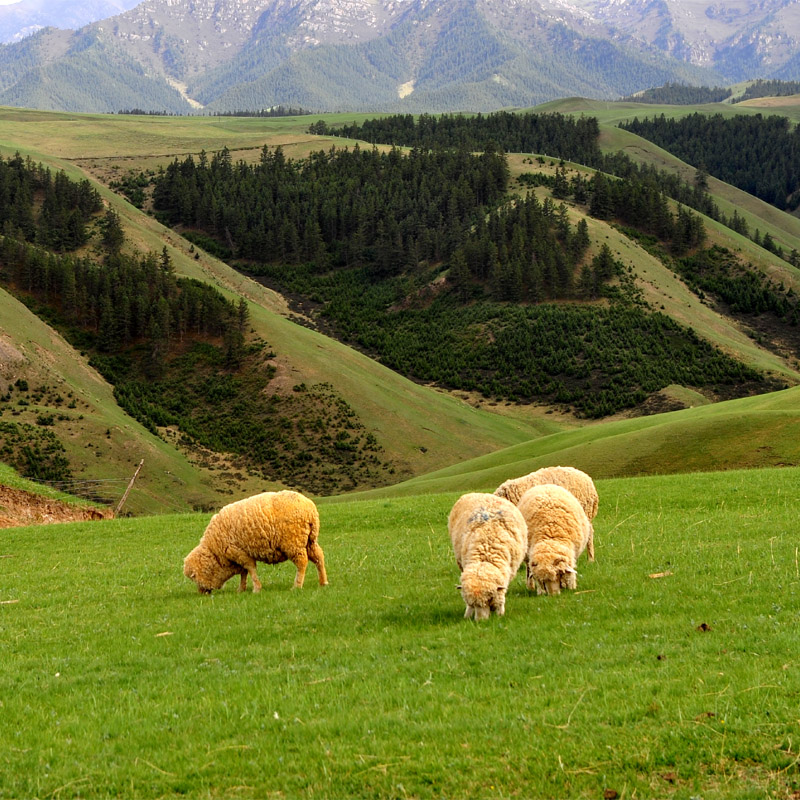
572 479
269 527
489 540
558 532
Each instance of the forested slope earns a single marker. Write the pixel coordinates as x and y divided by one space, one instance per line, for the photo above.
436 291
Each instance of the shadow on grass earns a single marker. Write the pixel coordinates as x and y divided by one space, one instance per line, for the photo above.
228 591
416 618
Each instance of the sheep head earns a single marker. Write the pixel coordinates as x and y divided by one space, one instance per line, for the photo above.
208 570
483 591
551 575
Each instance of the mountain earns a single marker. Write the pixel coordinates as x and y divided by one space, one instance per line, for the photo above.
741 40
25 17
412 55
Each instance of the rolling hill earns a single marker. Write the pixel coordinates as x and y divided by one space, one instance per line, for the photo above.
421 430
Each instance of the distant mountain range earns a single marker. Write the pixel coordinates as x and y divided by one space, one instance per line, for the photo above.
328 55
25 17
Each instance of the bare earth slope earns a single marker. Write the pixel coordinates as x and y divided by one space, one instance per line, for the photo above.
18 507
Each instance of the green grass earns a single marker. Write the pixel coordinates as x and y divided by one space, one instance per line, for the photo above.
119 680
748 433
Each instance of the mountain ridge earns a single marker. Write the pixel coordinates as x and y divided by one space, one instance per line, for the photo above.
330 55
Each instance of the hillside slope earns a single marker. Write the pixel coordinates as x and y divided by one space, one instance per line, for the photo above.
752 432
418 427
102 444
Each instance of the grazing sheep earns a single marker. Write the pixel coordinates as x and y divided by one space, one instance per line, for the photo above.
489 539
575 481
270 527
558 532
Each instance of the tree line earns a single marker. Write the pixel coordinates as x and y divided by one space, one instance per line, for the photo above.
769 88
758 154
557 135
49 209
389 212
346 207
679 94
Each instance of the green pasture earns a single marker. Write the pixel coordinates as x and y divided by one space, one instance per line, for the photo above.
613 112
672 671
749 433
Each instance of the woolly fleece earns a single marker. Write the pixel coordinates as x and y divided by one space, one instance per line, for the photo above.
558 532
579 483
269 527
489 538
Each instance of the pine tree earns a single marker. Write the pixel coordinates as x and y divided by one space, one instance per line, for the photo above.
113 235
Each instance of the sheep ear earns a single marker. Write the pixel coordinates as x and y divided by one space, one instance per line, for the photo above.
571 570
458 587
501 588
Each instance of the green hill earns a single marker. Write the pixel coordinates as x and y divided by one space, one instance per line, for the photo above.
418 428
421 430
750 433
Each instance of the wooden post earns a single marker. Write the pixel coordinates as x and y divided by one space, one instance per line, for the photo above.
125 496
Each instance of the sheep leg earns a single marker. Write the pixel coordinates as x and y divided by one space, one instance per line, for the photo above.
300 560
316 557
590 544
247 566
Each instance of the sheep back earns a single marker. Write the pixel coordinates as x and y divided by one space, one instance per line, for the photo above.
489 539
558 532
579 483
270 526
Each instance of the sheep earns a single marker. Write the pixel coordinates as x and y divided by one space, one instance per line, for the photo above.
575 481
489 540
269 527
558 532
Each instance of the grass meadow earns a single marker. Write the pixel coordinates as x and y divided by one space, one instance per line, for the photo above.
673 670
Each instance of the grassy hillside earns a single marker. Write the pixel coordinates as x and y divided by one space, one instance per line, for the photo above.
103 444
670 673
421 430
418 427
750 433
784 227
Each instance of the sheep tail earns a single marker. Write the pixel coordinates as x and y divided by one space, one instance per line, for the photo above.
313 532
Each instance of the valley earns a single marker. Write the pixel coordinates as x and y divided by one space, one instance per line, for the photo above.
427 429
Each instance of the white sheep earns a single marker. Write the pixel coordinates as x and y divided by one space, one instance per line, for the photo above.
558 532
269 527
572 479
489 540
